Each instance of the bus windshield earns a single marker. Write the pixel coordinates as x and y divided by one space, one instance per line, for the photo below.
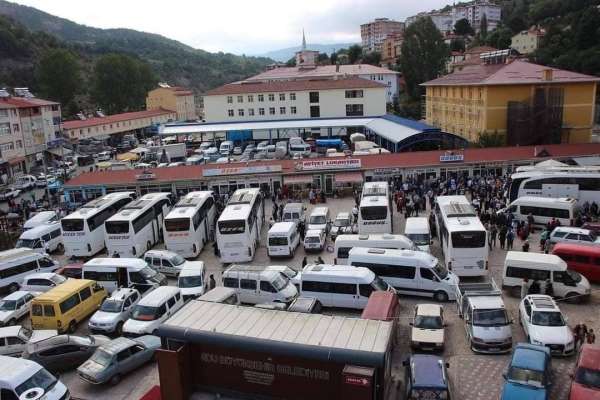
177 224
372 213
232 227
72 224
117 227
468 240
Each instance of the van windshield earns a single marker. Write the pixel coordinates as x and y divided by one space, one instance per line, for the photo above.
288 216
29 243
575 276
177 260
490 317
420 239
279 283
278 241
148 273
379 284
41 379
189 281
341 222
144 313
318 220
440 270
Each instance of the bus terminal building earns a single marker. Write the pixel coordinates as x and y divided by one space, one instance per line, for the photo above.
328 174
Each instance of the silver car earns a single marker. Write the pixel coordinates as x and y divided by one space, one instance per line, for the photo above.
113 360
114 311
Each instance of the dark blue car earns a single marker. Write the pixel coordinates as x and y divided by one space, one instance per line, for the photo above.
529 373
426 377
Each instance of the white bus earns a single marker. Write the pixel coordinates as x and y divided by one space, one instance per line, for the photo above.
463 237
83 230
375 210
189 224
239 226
138 226
543 209
580 183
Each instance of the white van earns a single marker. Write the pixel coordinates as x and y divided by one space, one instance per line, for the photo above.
543 209
417 230
44 238
152 310
25 182
294 212
319 219
256 284
343 244
192 280
340 285
540 267
226 148
409 272
221 294
16 264
282 239
40 218
168 262
26 379
114 273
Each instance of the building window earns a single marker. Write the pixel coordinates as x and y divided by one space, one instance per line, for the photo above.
261 97
230 113
282 110
251 112
353 94
19 144
281 96
271 97
261 111
229 99
315 111
293 96
240 99
15 127
250 98
271 110
354 110
241 112
292 110
313 97
5 129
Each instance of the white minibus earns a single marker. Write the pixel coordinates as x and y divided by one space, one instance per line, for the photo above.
319 219
138 226
114 273
410 272
282 239
344 243
189 225
463 237
239 226
543 209
293 212
192 280
83 230
42 217
226 148
259 284
340 285
375 209
417 230
152 310
44 238
16 264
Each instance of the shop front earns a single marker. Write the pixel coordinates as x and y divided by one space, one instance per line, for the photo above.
229 179
326 175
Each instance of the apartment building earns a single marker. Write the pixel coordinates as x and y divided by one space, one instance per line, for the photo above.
527 42
173 98
374 33
12 151
442 20
391 49
473 12
278 100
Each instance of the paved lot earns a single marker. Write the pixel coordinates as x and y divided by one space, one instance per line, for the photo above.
474 377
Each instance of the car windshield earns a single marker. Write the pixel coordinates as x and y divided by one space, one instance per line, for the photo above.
428 322
547 318
440 270
112 306
29 243
490 317
148 273
144 313
379 284
588 377
101 357
312 239
318 220
41 379
176 260
71 224
189 281
526 376
279 283
341 222
8 305
420 239
58 279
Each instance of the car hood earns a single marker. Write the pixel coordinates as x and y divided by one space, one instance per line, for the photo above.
137 327
149 341
91 368
424 248
193 264
427 335
5 316
38 335
580 392
515 391
100 340
551 334
102 317
289 291
492 333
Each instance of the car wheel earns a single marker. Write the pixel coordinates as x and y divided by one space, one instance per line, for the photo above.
115 379
60 248
440 296
119 329
72 327
573 297
13 287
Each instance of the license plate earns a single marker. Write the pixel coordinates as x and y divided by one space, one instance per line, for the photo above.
494 349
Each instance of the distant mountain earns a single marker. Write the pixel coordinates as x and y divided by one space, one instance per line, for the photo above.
283 55
173 62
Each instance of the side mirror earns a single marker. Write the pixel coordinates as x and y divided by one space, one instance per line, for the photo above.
411 324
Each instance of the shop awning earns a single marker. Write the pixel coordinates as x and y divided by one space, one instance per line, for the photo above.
57 151
349 177
287 180
16 160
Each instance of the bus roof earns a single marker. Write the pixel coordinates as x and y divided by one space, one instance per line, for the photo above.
366 239
244 196
137 207
464 224
392 254
63 290
187 206
234 212
93 207
370 201
375 189
545 200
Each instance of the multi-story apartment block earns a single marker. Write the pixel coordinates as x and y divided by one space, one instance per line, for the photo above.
374 33
473 12
442 20
12 151
527 42
391 49
173 98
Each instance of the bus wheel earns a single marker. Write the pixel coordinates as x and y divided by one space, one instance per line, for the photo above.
440 296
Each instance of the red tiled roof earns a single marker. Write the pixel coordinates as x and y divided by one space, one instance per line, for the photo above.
370 162
76 124
22 102
517 72
480 49
286 86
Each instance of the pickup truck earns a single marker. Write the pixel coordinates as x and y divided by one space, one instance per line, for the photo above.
487 324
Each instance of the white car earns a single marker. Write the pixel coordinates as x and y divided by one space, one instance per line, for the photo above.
545 325
15 306
567 234
314 240
168 262
237 150
14 339
342 225
42 281
9 193
427 332
114 311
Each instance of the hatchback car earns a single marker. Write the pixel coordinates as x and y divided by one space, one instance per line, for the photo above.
42 281
71 271
116 358
342 225
13 339
529 373
63 352
237 150
426 378
314 240
14 307
114 311
567 234
586 376
427 332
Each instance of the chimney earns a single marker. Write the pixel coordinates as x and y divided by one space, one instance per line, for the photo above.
547 74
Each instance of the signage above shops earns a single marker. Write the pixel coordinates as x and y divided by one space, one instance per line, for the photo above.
259 169
333 163
145 176
449 157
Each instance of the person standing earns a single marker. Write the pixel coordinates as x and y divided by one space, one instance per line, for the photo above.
547 246
580 332
590 337
493 235
510 237
502 236
355 214
525 247
304 262
211 282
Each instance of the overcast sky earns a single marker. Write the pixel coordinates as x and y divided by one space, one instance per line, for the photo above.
237 26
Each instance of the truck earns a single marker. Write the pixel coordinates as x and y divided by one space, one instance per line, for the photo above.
487 324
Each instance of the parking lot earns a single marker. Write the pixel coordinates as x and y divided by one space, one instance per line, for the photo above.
473 376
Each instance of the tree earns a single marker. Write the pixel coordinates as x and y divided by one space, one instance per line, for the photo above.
483 27
457 45
500 38
323 59
423 56
291 62
58 75
354 53
333 58
120 83
491 139
372 57
462 27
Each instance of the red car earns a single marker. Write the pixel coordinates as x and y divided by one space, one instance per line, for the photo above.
586 379
71 271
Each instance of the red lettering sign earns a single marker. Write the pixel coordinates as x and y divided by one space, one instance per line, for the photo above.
357 380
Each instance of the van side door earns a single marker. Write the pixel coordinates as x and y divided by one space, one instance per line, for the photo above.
428 283
249 290
345 295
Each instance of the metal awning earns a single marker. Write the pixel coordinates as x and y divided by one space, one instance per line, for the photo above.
349 177
290 179
59 152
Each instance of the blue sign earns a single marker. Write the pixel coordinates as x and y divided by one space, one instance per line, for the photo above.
452 158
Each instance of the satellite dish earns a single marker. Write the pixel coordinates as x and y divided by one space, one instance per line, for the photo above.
32 394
